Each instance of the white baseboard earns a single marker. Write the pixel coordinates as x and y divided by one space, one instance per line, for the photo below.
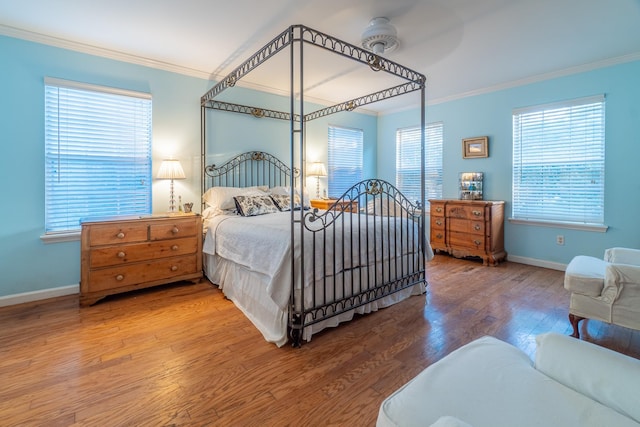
537 262
38 295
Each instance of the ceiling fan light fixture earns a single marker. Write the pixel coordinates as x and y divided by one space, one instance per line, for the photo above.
380 36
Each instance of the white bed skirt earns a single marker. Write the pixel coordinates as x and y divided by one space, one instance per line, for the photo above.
248 291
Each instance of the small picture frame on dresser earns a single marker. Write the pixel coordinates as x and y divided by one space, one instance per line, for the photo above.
475 147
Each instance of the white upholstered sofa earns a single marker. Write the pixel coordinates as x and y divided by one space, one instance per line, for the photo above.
489 383
605 289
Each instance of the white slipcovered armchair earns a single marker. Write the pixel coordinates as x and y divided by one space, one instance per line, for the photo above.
605 289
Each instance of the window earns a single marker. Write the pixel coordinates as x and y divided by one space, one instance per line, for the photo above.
345 159
408 161
558 162
97 153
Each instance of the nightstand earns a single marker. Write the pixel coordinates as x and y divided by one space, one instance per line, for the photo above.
121 254
345 205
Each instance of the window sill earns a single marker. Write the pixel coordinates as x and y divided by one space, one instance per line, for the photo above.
600 228
70 236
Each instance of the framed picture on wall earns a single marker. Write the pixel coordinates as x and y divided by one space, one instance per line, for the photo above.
475 147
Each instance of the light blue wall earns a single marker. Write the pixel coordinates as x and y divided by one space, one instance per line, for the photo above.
27 264
490 114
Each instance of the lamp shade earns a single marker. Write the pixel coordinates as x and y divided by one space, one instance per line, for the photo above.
317 169
171 169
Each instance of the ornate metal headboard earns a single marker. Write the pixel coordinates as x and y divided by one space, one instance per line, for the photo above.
249 169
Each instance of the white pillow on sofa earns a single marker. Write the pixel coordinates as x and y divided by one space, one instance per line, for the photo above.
604 375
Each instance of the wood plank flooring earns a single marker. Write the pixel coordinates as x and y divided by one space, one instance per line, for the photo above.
183 355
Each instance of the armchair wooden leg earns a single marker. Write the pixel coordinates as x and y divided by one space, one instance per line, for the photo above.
574 322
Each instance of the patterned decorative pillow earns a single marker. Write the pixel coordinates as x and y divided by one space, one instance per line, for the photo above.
284 202
255 205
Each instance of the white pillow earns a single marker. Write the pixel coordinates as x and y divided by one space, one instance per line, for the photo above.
222 197
285 191
384 206
604 375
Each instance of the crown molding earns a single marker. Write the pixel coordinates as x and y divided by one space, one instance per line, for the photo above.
99 51
541 77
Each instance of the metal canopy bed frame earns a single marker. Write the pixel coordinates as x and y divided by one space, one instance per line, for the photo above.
376 234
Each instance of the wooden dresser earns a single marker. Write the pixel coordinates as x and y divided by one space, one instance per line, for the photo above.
345 205
468 228
127 253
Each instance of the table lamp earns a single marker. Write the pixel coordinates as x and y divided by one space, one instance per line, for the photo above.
171 169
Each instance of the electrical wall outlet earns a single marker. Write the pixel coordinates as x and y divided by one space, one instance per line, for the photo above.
560 239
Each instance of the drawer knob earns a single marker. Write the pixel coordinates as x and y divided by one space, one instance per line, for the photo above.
477 213
119 277
175 230
174 247
121 254
477 242
438 222
120 235
477 227
438 209
439 236
174 268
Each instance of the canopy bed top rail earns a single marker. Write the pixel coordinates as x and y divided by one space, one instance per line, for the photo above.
250 168
319 39
281 41
253 111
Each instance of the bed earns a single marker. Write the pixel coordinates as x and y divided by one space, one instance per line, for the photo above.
291 269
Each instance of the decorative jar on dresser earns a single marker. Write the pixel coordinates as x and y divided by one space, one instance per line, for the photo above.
121 254
468 228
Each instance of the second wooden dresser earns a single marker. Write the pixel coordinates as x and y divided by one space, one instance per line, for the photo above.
468 228
120 255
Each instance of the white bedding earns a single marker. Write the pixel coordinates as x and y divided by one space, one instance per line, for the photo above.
249 258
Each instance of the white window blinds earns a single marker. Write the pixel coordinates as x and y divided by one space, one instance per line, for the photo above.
558 161
97 153
344 159
408 161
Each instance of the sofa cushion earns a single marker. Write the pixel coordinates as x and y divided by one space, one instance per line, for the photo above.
585 275
610 378
489 383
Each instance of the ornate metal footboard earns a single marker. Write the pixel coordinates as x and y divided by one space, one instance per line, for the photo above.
357 259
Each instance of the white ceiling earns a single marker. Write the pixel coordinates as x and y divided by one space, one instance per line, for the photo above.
462 46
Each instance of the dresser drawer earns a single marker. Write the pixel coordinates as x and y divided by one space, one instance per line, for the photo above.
466 240
172 230
116 255
436 208
437 238
466 226
109 234
437 223
466 212
131 274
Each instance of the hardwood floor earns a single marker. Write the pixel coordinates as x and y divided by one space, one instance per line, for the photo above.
183 355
